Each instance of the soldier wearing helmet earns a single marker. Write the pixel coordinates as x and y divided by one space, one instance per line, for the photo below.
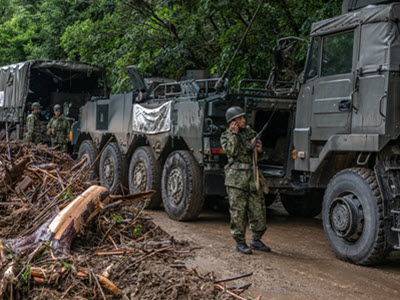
58 129
246 201
33 131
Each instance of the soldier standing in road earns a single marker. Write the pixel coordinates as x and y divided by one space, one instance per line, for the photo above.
58 129
33 131
245 200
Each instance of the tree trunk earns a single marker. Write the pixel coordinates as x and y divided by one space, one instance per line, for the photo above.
61 228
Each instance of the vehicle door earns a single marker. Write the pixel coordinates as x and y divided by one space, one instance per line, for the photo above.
334 89
302 131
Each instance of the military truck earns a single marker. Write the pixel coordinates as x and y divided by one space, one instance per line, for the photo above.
332 142
49 83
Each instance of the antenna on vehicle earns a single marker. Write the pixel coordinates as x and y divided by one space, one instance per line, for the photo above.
220 82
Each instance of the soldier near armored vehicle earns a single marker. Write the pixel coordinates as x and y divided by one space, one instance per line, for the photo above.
245 199
58 129
33 130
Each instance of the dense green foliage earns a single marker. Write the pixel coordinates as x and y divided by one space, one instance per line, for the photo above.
162 37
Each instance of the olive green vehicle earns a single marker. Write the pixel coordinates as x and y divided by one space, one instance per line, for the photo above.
332 142
68 84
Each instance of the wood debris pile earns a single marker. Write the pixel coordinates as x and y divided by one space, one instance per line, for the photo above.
63 237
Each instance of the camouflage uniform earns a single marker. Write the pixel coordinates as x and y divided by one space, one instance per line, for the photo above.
33 133
59 130
246 203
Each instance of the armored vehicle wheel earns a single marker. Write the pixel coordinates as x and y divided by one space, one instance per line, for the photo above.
145 175
182 186
306 206
352 216
89 151
13 135
110 169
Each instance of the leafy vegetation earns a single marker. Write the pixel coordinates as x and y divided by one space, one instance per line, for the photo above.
162 37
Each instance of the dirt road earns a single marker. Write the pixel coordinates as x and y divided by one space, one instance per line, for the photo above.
301 266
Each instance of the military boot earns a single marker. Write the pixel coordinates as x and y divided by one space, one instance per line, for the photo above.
260 246
243 248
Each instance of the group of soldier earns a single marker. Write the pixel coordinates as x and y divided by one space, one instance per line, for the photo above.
57 128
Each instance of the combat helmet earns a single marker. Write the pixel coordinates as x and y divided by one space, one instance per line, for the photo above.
233 113
57 107
36 105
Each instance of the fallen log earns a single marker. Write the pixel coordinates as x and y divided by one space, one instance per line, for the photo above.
61 229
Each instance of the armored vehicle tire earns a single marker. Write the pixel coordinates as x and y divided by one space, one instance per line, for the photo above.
182 186
144 175
88 149
110 169
352 216
306 206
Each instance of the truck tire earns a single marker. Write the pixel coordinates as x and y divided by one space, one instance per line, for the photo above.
182 186
110 169
144 175
306 206
352 216
88 149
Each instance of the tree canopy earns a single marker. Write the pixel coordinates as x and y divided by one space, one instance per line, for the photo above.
162 37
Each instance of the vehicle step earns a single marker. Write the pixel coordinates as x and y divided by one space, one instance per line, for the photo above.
396 212
396 229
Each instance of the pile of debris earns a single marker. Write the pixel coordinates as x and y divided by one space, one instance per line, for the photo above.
63 237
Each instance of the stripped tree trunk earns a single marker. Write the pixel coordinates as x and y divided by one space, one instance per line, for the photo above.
61 228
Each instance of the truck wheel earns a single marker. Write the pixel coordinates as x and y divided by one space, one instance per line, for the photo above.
89 151
352 216
111 168
145 175
306 206
182 186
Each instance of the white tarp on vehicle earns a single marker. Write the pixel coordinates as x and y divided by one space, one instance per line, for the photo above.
152 120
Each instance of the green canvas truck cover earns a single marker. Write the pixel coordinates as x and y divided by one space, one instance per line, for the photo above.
381 21
14 79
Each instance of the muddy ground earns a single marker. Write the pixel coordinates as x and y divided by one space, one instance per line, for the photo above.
301 265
